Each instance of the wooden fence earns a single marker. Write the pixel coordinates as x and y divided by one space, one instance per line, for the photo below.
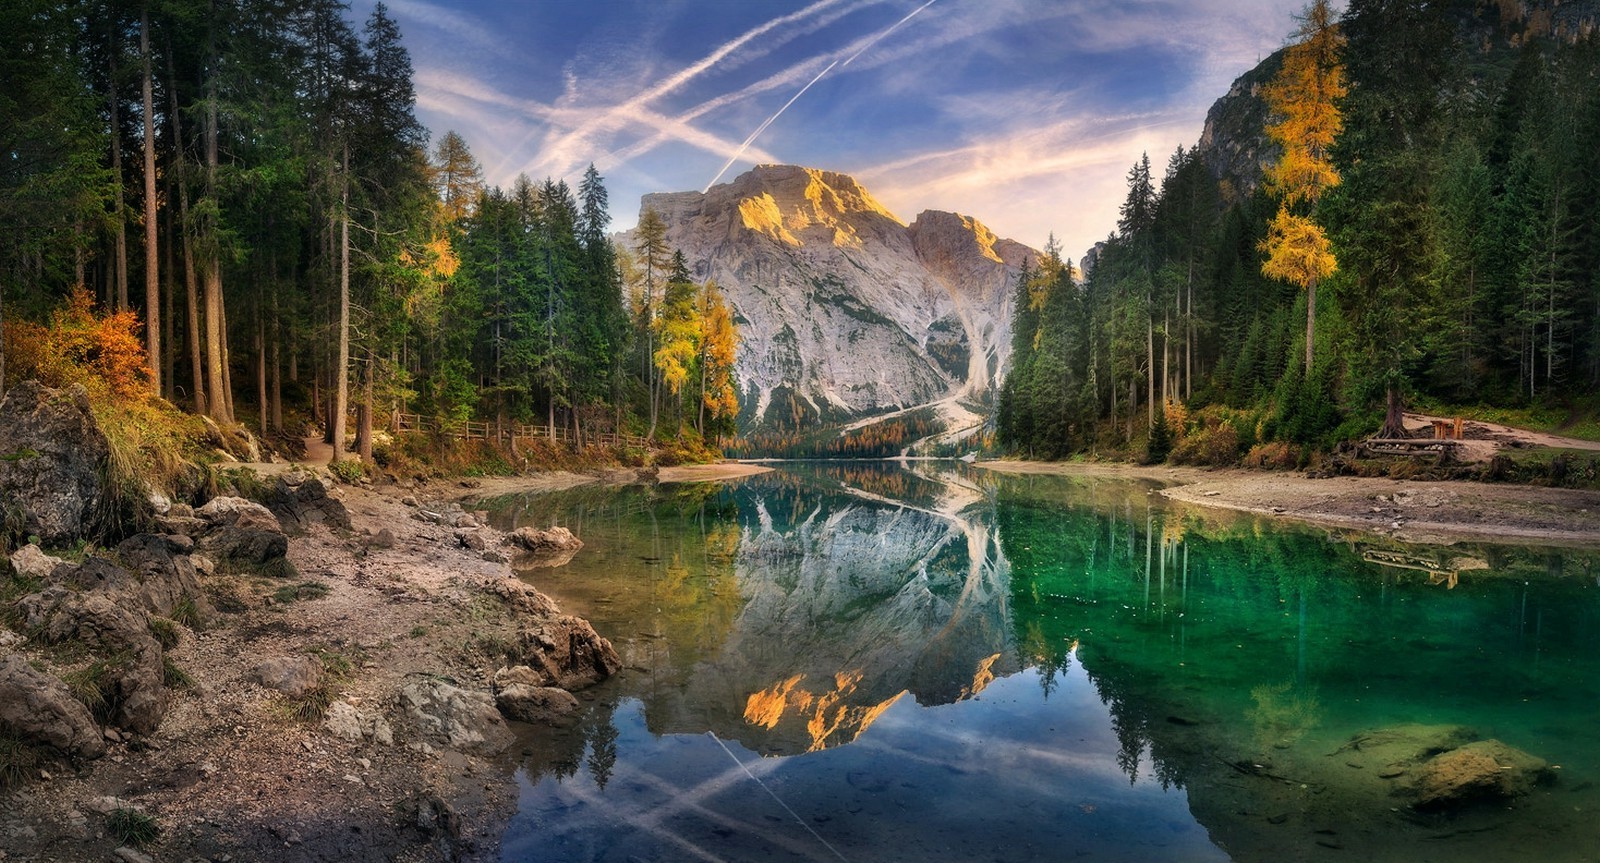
510 434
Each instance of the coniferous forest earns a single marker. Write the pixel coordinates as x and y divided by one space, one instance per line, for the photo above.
234 206
1424 230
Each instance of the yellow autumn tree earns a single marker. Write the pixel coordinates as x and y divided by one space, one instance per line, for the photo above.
719 343
1304 102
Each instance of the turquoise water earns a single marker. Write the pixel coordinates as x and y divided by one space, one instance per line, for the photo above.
866 662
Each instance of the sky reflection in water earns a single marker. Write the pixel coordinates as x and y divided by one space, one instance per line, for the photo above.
860 662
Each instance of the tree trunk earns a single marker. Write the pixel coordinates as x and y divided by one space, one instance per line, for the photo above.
217 402
1394 425
261 375
227 355
364 411
191 286
276 333
119 222
152 283
1311 323
1150 367
341 370
169 317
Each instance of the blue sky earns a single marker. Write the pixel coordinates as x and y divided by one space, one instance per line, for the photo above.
1023 113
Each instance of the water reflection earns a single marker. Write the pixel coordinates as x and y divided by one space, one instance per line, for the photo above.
1025 639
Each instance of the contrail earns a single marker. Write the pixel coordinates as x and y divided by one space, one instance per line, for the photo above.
763 127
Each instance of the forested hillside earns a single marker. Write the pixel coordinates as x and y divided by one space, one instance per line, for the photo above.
243 187
1423 226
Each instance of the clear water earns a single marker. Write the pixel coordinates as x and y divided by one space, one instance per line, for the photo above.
866 662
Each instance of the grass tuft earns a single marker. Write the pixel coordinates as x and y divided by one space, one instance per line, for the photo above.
165 632
132 827
18 761
304 590
173 676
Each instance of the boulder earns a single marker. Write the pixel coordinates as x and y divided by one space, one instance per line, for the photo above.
543 549
546 540
473 539
31 562
51 455
345 722
456 717
241 532
301 499
541 705
1487 770
163 576
294 676
566 652
39 709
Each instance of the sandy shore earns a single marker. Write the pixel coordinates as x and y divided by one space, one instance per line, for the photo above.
1431 512
494 486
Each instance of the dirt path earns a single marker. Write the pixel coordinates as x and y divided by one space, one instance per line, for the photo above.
1433 512
1482 441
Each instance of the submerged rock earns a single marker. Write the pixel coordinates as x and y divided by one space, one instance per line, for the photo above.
1485 770
52 453
39 709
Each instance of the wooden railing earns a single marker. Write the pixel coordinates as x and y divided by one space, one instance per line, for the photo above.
484 430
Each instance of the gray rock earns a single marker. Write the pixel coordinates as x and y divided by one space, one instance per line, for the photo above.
162 574
242 531
39 709
566 652
542 705
51 451
31 562
9 639
458 718
294 676
130 855
345 722
301 499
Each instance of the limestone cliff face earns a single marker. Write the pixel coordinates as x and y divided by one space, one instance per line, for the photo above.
843 309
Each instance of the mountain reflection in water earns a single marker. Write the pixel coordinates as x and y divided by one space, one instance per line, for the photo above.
1103 674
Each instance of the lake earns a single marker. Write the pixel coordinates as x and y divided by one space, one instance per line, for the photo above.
875 662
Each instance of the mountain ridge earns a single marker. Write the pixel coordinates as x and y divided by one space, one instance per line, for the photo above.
845 310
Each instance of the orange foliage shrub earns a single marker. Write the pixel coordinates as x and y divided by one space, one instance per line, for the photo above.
1272 456
79 345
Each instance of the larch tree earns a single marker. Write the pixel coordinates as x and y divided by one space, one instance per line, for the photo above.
457 177
719 344
1304 101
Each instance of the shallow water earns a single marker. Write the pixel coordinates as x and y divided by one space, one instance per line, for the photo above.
865 662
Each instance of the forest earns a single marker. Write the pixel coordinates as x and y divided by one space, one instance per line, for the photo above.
1426 231
232 205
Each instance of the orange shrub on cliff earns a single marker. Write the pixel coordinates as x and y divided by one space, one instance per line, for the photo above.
79 345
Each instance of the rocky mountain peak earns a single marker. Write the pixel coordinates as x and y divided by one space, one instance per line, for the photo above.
844 309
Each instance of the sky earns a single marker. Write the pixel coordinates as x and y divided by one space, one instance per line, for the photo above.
1025 114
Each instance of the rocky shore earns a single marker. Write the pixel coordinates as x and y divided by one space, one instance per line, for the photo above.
332 673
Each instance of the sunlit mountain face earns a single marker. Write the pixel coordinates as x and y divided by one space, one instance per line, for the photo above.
1027 112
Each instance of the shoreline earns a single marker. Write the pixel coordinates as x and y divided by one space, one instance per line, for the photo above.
1431 512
